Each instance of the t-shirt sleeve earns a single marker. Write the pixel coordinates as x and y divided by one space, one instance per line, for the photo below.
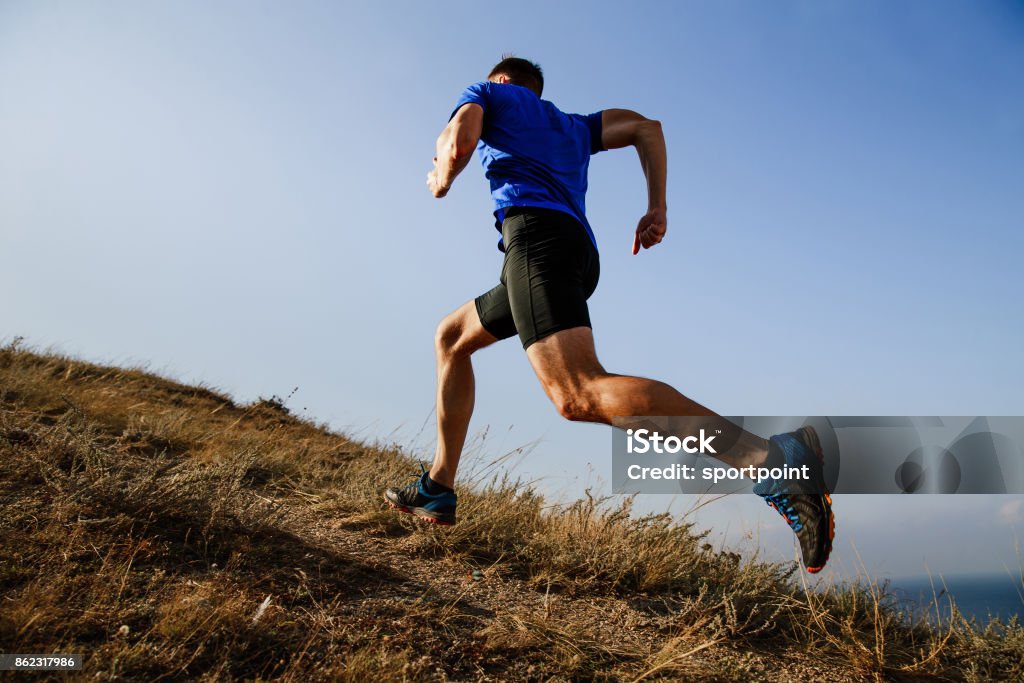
593 122
475 94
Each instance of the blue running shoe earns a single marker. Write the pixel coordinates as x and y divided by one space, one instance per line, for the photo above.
415 500
805 505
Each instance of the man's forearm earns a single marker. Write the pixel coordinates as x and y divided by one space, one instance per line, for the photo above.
650 145
450 158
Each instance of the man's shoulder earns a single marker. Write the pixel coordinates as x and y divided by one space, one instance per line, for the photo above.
506 91
477 92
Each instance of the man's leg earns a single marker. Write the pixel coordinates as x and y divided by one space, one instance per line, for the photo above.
459 335
432 498
567 366
573 378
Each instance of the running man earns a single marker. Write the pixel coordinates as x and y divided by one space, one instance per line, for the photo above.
536 159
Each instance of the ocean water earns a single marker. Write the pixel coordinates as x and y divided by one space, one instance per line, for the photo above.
982 596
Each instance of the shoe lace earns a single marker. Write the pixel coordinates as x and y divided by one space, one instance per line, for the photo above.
782 505
415 484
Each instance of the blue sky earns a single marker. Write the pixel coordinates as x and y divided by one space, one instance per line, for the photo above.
233 193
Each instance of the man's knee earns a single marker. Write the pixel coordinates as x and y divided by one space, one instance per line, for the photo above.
452 337
577 404
446 338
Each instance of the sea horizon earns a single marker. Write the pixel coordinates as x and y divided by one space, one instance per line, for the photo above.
982 596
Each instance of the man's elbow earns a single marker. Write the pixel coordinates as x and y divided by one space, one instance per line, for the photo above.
457 149
649 128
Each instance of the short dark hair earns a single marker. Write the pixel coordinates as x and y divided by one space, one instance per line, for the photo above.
520 72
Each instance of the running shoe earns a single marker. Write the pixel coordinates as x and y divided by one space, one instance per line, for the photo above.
414 499
805 505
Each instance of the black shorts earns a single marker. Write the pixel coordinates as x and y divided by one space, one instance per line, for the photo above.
551 268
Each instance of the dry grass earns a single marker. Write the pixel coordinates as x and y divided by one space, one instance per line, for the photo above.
168 532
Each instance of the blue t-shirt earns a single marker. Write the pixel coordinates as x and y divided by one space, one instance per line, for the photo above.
533 154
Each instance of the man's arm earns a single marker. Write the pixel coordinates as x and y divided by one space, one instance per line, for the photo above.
625 128
455 146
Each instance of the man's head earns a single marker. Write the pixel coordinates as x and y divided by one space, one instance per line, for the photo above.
518 72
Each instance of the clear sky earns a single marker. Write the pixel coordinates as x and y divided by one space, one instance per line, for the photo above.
233 193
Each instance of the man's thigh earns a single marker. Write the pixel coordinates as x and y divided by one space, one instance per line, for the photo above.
494 312
565 361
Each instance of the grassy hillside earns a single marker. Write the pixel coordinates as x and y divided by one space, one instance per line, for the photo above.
164 530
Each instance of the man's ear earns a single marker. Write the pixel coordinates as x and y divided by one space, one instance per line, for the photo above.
501 78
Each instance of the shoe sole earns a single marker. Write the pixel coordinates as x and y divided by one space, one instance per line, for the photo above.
810 438
424 514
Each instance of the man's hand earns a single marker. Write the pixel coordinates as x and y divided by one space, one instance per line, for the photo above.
650 230
434 184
